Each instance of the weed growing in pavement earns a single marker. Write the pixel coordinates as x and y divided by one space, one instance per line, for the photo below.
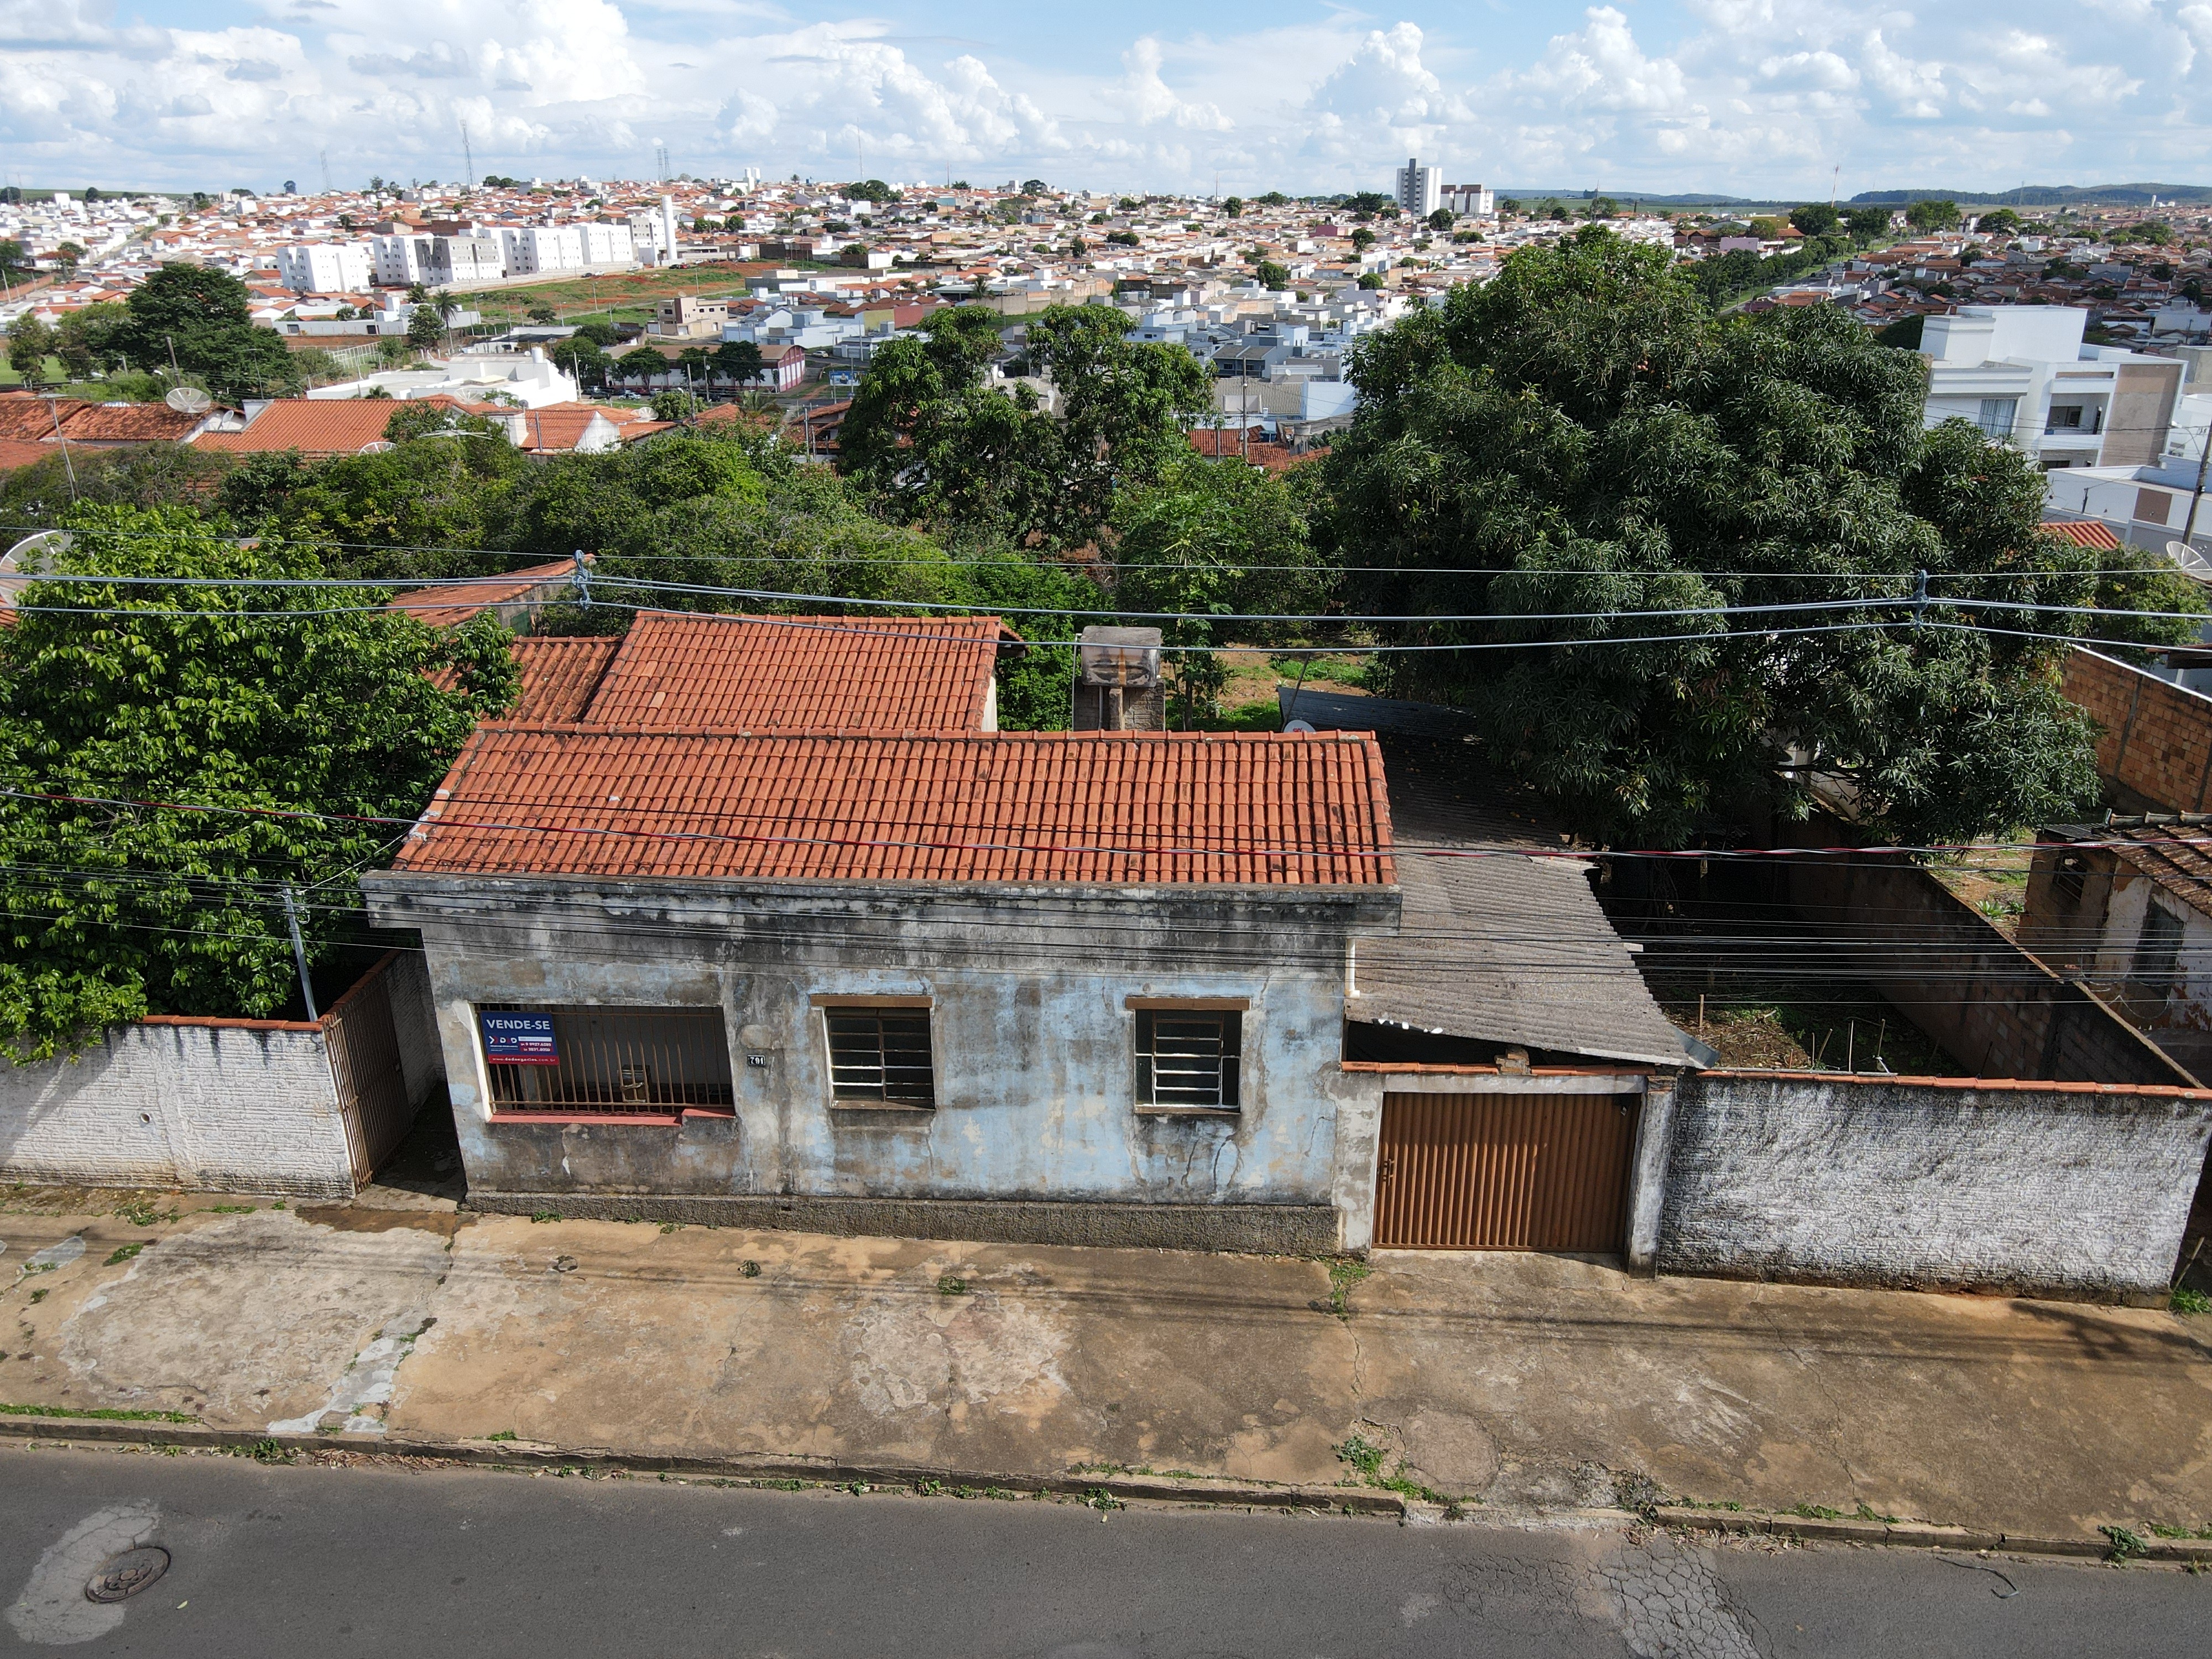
2126 1546
139 1212
37 1297
751 1270
781 1485
278 1204
267 1451
2188 1299
122 1253
857 1488
1637 1492
504 1434
1866 1513
1364 1456
949 1286
545 1215
1099 1499
1344 1271
926 1487
104 1414
40 1267
670 1226
231 1209
2159 1531
1817 1512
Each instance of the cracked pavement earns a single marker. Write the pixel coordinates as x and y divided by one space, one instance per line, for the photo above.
1524 1382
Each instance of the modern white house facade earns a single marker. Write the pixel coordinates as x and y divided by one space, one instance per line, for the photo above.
2022 374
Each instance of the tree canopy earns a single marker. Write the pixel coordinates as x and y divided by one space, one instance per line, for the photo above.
1585 429
204 317
112 695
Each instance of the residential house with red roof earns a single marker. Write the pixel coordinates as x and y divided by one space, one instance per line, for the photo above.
760 919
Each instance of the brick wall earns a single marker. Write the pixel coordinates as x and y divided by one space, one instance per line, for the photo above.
2075 1190
2155 744
218 1105
1995 1009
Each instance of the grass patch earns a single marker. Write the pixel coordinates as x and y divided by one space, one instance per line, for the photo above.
1816 1512
2157 1530
101 1414
1367 1459
1344 1273
122 1253
545 1215
2188 1299
504 1434
233 1209
141 1212
947 1285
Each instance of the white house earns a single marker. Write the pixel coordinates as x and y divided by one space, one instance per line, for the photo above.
2022 374
325 267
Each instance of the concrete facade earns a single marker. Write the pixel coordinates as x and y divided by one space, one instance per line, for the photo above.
218 1105
1928 1183
1037 1132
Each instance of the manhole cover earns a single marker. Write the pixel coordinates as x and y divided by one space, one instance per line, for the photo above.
127 1574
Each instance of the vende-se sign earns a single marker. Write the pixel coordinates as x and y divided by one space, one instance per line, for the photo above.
518 1039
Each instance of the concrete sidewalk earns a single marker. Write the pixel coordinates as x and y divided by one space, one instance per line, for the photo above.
1526 1382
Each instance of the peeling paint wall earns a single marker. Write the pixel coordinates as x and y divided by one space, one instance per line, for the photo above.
223 1108
1870 1182
1032 1037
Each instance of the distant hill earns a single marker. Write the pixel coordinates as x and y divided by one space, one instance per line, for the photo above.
2048 195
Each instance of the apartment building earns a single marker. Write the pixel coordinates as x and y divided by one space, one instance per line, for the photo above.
2022 374
326 267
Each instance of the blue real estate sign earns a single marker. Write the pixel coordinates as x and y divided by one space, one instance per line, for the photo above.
518 1039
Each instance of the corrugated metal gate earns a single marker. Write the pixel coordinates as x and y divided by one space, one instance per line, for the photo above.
1504 1172
363 1046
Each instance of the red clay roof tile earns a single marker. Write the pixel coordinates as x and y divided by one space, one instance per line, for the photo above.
559 675
2086 533
1299 809
128 423
450 606
802 674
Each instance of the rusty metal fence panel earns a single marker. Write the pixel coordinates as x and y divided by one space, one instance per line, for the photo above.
1504 1172
620 1062
363 1046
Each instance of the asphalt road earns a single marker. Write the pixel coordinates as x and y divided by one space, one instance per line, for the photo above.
376 1561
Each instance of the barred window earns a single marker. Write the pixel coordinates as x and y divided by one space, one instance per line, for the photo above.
611 1061
1189 1057
881 1056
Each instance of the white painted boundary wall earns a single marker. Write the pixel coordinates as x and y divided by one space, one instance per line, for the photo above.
215 1105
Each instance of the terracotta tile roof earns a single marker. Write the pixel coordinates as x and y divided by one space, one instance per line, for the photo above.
23 451
29 419
2086 533
128 423
1230 446
559 675
314 426
803 673
1272 809
450 606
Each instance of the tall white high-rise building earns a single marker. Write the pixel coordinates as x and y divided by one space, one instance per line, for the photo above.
1419 188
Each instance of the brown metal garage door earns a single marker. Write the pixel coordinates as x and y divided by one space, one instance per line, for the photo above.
1504 1172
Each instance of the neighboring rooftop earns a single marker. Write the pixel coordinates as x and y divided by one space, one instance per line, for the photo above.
1268 810
559 676
2174 849
890 674
512 593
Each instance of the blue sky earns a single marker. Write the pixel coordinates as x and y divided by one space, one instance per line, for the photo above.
1745 97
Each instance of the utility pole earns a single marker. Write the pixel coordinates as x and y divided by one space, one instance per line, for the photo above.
468 159
68 466
2203 455
299 953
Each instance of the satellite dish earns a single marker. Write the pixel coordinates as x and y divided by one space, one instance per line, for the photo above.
1299 725
2192 562
375 447
28 556
189 400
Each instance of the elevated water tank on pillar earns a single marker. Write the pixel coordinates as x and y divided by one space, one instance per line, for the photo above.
1117 681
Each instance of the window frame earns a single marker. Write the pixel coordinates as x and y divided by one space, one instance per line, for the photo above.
832 1007
2149 955
1232 1084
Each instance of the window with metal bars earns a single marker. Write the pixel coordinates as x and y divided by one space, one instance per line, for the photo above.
880 1056
618 1061
1188 1057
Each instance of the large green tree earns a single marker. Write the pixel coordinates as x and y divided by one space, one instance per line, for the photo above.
257 701
1580 440
932 441
203 318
